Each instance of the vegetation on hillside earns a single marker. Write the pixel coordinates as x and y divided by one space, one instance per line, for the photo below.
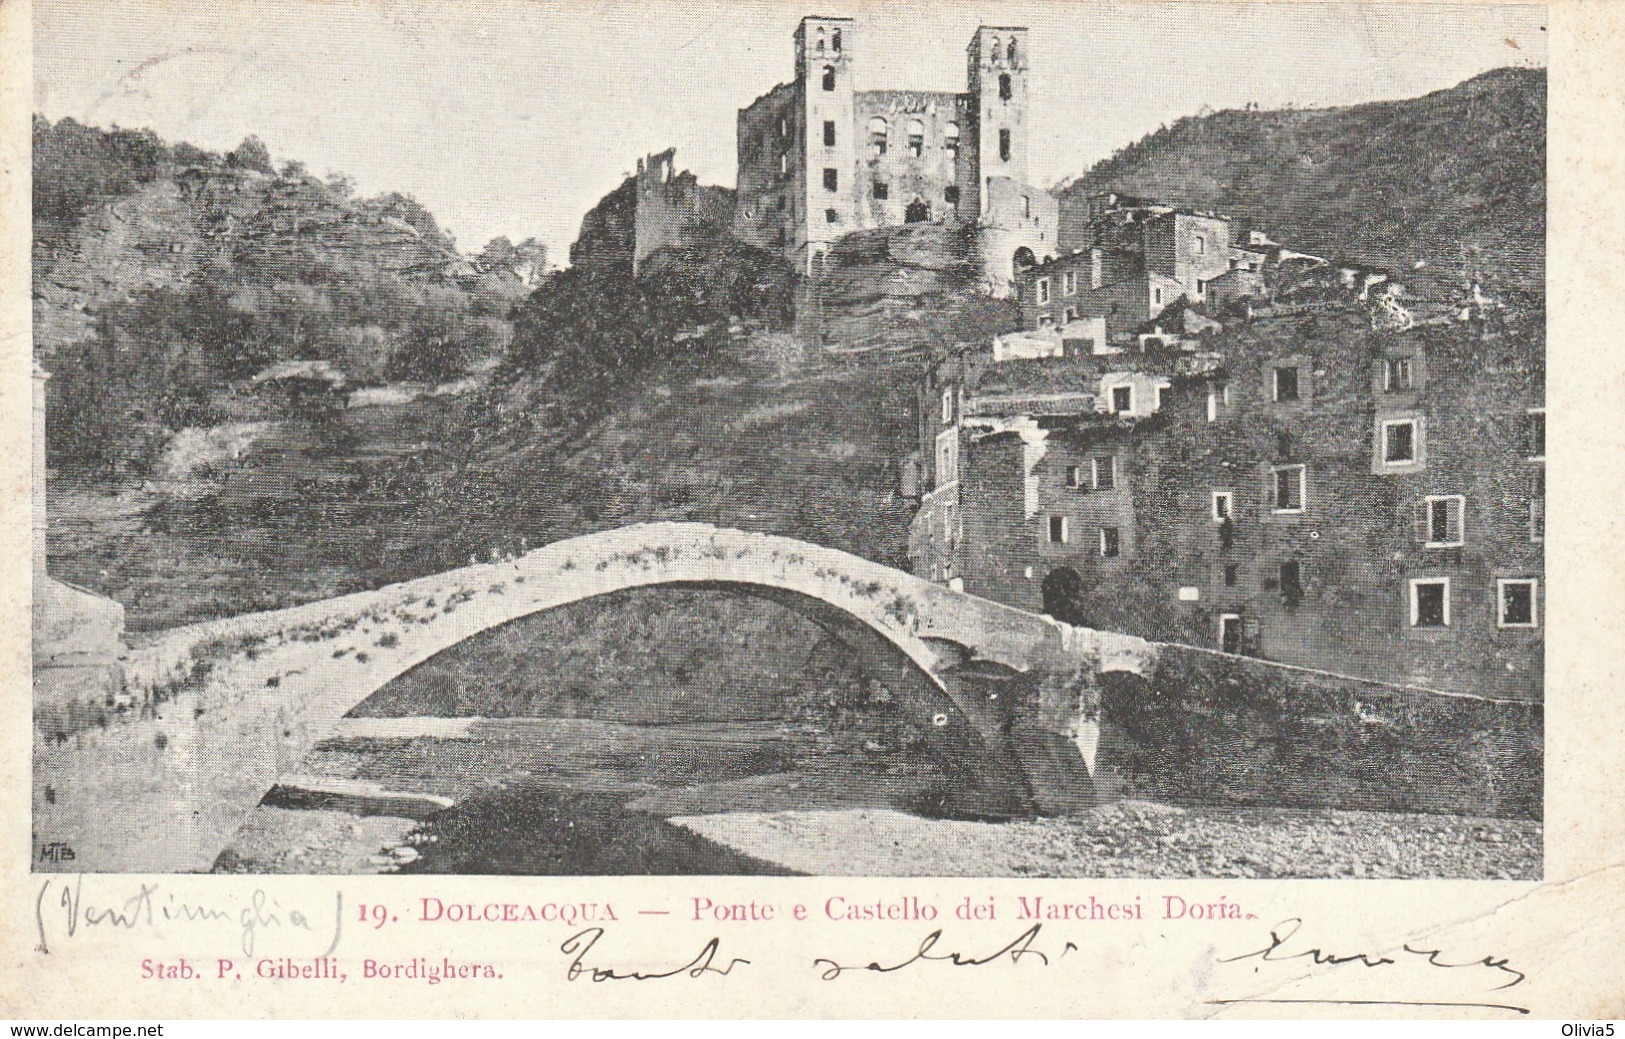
1455 180
166 277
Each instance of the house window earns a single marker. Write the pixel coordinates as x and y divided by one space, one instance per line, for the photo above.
1537 507
829 77
1198 245
947 404
829 133
1230 574
1108 542
1445 519
1291 575
1398 374
1057 530
832 179
1122 398
1004 86
916 138
831 217
1286 384
950 195
1536 434
1430 602
1074 476
947 458
1043 290
1224 503
1026 205
1105 472
784 165
1162 397
1289 488
882 190
1212 404
1515 603
1399 441
877 135
1004 145
1230 632
1046 320
1071 314
1069 283
950 138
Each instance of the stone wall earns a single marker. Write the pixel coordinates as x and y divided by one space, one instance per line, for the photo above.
1207 728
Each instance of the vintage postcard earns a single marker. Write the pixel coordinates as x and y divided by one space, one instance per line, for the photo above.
674 509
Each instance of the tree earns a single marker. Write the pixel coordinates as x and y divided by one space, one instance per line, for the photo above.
251 155
530 261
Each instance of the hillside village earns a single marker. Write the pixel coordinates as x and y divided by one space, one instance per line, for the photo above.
1193 432
1261 385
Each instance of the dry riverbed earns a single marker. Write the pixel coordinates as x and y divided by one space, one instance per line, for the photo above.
1135 839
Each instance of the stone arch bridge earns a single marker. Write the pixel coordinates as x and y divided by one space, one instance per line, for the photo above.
214 713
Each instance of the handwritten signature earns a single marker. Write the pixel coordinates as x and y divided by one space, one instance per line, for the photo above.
1016 950
1280 950
579 945
147 907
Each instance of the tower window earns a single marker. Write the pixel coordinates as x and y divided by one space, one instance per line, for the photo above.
832 179
882 190
829 77
1004 145
835 41
916 138
1004 86
829 133
1011 53
950 138
831 217
950 194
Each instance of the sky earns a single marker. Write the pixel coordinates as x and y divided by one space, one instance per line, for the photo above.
513 117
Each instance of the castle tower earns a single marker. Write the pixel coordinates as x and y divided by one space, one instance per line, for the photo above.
829 166
996 81
1016 221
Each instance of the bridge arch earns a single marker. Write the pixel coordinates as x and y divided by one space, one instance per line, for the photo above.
278 682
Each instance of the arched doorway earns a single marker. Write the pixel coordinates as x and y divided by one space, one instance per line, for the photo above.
917 212
1063 590
1023 259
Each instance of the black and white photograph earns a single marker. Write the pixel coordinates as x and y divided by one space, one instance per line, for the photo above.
1028 440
